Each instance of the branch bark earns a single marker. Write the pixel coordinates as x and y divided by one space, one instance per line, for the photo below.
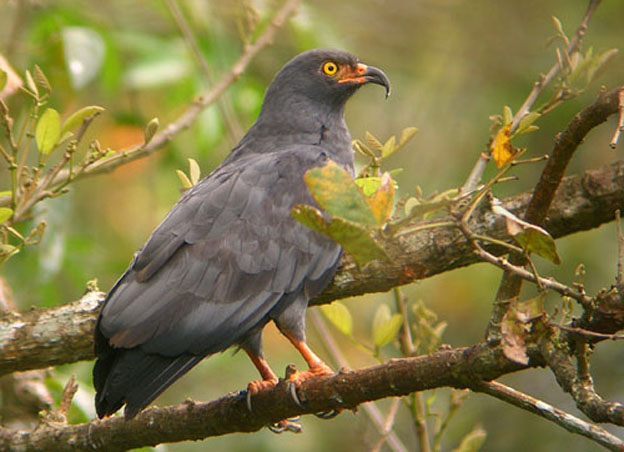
190 420
50 336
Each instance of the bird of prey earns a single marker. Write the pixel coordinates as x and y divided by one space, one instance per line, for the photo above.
229 258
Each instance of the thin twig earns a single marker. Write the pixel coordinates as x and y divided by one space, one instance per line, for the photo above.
548 283
230 119
387 426
370 408
584 332
620 125
561 418
544 80
190 115
620 238
416 402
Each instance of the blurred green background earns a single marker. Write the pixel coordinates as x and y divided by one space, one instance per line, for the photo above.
452 63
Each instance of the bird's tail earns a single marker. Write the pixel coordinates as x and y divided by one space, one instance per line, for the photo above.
135 378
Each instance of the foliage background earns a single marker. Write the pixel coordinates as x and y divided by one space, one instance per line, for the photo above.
453 63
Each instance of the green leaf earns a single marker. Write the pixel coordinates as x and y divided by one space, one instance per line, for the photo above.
48 130
338 194
186 182
507 115
597 68
532 238
7 250
362 149
3 79
194 171
385 325
526 130
355 239
526 122
338 314
5 193
473 441
150 129
5 213
369 185
76 119
30 83
389 147
536 240
373 142
41 79
406 135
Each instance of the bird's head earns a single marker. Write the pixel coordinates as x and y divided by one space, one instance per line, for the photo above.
326 77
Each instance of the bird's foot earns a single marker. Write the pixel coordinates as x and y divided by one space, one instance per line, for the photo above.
254 387
295 378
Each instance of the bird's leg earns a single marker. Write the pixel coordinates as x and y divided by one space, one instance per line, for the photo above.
269 379
316 366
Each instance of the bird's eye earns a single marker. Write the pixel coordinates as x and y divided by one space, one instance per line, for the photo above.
330 68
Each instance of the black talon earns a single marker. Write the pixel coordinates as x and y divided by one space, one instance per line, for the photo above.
292 388
248 401
282 426
327 414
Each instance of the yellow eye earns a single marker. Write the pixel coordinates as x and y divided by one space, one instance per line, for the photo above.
330 68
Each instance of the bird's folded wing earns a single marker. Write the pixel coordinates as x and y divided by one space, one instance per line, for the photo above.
226 254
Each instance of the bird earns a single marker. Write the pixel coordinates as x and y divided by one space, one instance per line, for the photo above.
229 257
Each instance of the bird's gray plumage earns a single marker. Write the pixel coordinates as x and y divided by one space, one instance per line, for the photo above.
229 258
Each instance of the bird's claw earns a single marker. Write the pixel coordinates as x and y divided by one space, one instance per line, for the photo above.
285 425
292 388
330 414
256 386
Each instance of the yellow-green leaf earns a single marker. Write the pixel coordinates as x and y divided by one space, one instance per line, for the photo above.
385 325
526 122
507 115
5 213
186 183
76 119
373 142
406 135
150 129
41 79
338 314
30 83
194 171
338 194
48 130
389 147
3 79
354 238
473 441
4 193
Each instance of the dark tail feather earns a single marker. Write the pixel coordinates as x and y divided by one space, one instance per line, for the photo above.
135 378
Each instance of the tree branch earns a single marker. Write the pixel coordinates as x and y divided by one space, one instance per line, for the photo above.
49 336
543 409
458 367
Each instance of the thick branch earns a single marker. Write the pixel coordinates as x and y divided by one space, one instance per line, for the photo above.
50 336
193 421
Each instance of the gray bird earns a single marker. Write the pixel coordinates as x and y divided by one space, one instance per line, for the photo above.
229 258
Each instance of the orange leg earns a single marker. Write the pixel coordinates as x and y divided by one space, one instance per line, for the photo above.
317 368
269 379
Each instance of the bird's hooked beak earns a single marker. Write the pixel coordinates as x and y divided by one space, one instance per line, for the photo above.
367 74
